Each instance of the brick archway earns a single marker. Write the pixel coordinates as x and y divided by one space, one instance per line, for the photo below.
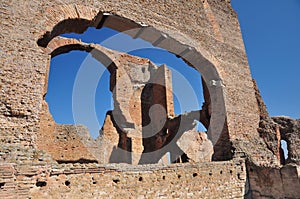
77 19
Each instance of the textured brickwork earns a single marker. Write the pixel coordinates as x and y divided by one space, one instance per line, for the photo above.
41 158
289 130
213 35
212 180
130 76
62 142
145 114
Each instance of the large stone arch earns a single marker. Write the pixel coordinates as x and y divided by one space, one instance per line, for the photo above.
211 29
193 56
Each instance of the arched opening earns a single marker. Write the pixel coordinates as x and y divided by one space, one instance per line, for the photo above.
213 120
62 77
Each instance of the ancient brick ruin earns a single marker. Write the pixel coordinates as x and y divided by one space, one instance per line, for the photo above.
240 155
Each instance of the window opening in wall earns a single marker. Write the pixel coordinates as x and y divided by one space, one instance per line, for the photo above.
284 149
62 77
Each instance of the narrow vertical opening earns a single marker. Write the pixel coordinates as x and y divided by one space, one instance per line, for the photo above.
284 151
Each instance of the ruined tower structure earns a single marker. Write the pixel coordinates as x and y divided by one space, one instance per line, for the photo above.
144 150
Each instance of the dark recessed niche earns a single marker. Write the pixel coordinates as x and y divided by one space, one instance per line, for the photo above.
140 178
41 184
179 176
210 173
94 181
116 181
221 172
67 183
195 174
80 161
2 184
164 177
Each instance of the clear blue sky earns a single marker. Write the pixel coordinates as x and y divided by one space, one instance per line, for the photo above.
271 31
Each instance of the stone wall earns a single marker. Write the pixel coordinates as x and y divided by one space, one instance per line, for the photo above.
62 142
206 35
208 38
212 180
289 130
275 129
268 182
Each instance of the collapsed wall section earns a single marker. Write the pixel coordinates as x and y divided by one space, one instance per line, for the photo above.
289 130
121 136
65 143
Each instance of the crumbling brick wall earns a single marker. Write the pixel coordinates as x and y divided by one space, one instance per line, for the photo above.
290 132
205 34
106 181
140 121
200 42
